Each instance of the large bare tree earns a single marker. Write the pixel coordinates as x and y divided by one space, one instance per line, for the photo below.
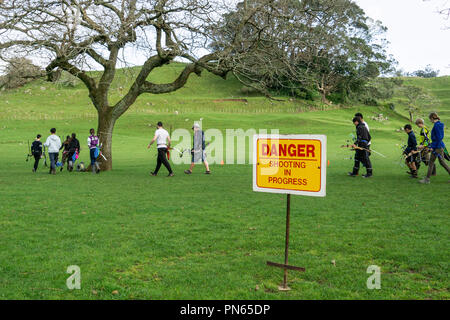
79 36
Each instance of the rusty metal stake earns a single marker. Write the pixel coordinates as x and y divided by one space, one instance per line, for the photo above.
286 247
285 266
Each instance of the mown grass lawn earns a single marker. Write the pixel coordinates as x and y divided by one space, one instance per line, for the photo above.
208 237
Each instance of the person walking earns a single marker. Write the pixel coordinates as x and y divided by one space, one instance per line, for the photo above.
361 149
359 114
436 147
161 137
74 150
36 151
65 154
411 151
197 153
53 143
424 142
92 142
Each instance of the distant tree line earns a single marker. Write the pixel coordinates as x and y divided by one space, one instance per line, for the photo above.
428 72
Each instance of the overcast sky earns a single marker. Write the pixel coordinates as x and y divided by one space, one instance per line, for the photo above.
416 32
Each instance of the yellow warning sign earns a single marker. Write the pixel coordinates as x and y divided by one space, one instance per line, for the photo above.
294 164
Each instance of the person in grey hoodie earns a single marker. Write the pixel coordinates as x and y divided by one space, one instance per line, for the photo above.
53 144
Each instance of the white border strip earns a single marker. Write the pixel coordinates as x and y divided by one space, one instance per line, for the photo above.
323 140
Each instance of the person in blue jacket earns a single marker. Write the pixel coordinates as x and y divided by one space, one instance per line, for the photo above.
437 146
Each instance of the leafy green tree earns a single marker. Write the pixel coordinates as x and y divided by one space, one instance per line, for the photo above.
327 45
379 89
418 101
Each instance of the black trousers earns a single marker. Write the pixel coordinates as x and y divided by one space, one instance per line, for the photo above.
37 157
362 156
162 159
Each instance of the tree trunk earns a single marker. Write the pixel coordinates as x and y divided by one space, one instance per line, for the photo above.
105 128
55 75
324 99
410 117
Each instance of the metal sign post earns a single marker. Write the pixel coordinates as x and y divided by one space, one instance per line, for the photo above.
292 164
286 266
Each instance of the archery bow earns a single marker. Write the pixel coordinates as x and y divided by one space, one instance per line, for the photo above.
353 138
183 151
168 147
100 153
378 153
29 154
355 147
45 156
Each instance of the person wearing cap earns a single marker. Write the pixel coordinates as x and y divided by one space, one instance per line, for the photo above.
196 152
161 137
437 147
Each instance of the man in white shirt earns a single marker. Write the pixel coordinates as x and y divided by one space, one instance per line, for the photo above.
161 137
53 144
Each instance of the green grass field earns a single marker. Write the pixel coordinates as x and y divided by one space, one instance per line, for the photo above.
208 237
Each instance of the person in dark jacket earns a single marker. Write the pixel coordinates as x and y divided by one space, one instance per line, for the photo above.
36 151
65 154
74 147
437 147
411 152
361 144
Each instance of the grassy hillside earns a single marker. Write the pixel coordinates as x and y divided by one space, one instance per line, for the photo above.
437 87
208 237
440 88
45 100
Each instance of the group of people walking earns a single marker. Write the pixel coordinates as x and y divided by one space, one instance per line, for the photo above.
429 148
162 139
70 151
